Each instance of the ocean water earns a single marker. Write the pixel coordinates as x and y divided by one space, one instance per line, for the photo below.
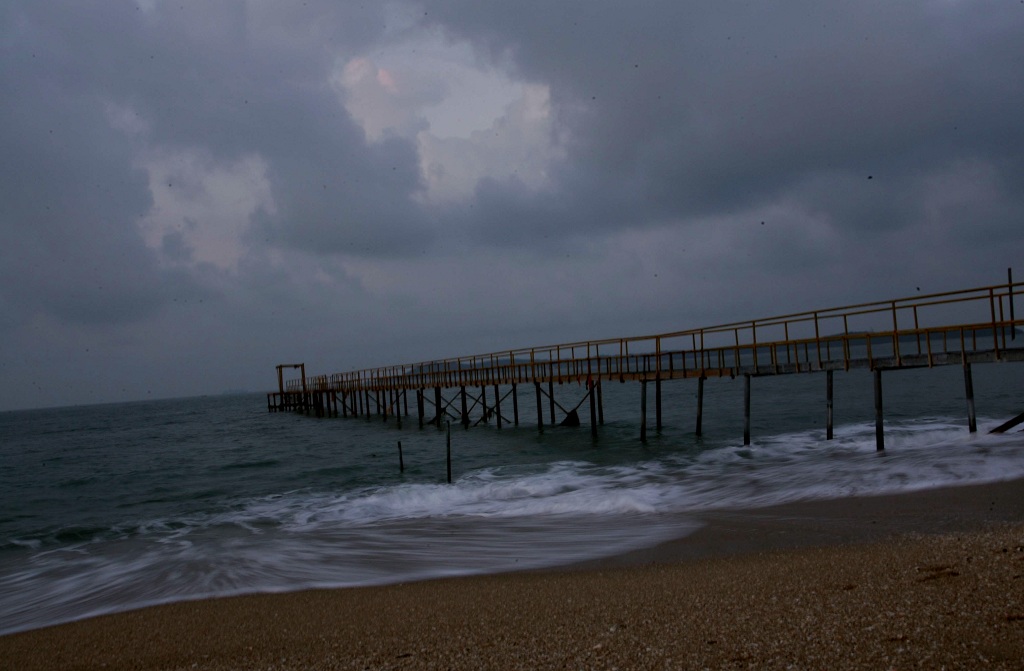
110 507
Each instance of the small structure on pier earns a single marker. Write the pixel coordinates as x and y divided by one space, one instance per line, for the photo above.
962 328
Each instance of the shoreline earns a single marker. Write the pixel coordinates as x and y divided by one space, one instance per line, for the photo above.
731 532
872 581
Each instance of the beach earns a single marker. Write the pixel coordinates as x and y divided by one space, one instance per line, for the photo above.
931 579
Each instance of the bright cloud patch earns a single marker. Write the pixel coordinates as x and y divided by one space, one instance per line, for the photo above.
201 209
470 122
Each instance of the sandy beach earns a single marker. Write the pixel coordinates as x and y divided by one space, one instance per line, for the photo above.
933 579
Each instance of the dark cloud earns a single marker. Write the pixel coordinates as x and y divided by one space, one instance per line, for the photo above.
71 197
879 142
685 110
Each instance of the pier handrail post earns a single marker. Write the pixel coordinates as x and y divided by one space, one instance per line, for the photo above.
895 334
817 338
753 337
1009 294
992 307
736 352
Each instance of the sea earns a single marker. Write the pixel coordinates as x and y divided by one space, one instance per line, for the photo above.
106 508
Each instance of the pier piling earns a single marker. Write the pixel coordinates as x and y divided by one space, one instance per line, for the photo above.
972 420
746 410
593 407
828 404
879 429
540 408
448 452
700 404
643 410
657 403
551 400
515 405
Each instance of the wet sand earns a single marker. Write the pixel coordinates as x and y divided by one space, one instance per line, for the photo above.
927 580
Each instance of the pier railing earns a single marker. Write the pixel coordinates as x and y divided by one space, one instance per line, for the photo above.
971 325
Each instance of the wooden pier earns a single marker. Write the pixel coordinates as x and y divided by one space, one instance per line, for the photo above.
962 328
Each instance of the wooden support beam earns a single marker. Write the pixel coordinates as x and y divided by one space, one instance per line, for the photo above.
1006 426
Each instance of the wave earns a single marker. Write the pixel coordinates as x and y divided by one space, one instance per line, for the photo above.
489 519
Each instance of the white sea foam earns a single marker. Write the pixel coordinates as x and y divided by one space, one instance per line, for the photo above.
489 519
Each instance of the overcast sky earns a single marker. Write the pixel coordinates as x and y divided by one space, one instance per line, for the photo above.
193 192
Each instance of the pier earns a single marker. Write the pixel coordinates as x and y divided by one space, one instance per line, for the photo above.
962 328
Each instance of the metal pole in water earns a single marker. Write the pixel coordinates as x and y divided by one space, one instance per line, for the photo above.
746 409
401 461
465 412
828 404
540 408
879 430
497 405
700 403
657 402
643 410
515 405
449 453
972 419
593 408
551 399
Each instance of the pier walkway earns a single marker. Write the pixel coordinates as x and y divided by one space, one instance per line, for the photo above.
964 327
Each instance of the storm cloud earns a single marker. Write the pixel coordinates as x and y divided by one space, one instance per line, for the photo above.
191 193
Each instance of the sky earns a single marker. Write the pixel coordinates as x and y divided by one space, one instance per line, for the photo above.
194 192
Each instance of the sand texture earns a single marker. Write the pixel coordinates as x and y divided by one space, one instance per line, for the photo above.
951 601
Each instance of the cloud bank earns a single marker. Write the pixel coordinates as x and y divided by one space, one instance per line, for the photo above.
192 193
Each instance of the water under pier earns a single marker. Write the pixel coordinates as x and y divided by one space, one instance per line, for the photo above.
963 328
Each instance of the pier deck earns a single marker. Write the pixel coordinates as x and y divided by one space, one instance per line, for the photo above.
962 327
